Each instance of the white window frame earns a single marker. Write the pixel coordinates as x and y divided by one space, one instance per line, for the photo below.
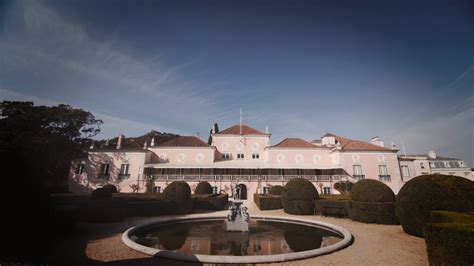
225 156
240 156
327 190
255 156
405 171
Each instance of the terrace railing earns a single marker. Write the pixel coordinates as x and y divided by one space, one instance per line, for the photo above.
241 178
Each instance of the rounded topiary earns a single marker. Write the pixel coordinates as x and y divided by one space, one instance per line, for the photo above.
298 195
111 188
276 190
101 193
426 193
372 202
179 192
203 188
369 190
344 187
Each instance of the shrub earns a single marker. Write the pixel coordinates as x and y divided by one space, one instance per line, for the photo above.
179 193
332 207
450 238
203 188
211 201
111 188
372 202
267 202
276 190
423 194
101 193
298 195
344 187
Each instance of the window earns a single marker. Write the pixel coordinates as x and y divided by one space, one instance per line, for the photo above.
405 171
124 171
225 156
255 156
454 164
157 189
439 164
240 155
422 165
79 169
326 190
383 173
358 172
104 171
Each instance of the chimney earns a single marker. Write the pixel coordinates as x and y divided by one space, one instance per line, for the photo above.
152 143
145 145
377 141
266 130
338 146
432 154
119 142
394 147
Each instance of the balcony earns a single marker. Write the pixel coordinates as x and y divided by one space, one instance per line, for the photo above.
385 178
358 177
123 176
241 178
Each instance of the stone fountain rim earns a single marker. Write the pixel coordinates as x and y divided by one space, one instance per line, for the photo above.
346 241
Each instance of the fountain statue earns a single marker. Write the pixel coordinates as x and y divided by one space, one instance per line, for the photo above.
238 219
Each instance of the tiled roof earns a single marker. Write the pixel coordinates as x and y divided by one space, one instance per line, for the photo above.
357 145
235 130
294 143
185 141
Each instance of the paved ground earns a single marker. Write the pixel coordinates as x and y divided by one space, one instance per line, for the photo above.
98 244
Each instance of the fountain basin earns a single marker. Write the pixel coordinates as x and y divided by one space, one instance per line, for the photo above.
199 238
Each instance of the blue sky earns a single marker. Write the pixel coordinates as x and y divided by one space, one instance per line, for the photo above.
402 70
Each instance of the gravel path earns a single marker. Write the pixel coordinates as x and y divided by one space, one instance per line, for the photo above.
98 244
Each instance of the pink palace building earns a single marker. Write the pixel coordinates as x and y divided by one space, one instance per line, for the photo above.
241 155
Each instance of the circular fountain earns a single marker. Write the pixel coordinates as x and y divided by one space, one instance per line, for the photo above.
235 238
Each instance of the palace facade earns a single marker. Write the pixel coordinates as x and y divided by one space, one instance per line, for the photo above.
241 155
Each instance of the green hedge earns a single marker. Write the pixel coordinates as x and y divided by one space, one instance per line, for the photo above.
276 190
179 192
373 212
297 197
203 188
211 201
332 207
267 202
450 238
369 190
423 194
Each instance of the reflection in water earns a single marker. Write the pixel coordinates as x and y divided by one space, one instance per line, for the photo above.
211 238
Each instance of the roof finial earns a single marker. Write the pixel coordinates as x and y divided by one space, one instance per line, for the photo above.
266 130
145 145
152 143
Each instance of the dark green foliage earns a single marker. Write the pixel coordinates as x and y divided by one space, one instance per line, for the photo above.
101 193
179 193
267 202
332 207
372 202
373 212
369 190
449 238
203 188
111 188
298 197
344 187
423 194
276 190
211 201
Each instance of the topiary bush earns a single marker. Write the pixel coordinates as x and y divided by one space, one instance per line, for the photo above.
449 238
423 194
179 193
267 202
276 190
111 188
203 188
372 202
344 187
101 193
211 201
297 197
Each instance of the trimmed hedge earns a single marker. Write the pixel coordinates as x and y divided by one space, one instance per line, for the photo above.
179 193
332 207
203 188
276 190
423 194
267 202
372 202
344 187
298 197
211 201
101 193
111 188
450 238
